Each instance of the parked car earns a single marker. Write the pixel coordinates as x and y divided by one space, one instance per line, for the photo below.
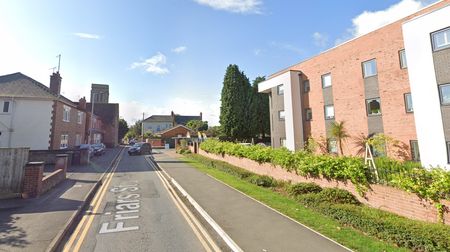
87 147
99 149
140 148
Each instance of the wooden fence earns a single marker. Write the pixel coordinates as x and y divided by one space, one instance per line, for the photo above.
12 166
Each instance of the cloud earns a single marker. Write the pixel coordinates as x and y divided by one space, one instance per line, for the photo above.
132 110
287 46
236 6
320 40
179 49
87 35
371 20
155 64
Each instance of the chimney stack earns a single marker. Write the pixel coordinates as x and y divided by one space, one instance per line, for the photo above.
82 103
55 83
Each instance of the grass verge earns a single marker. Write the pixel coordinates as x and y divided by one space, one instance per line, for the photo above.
327 226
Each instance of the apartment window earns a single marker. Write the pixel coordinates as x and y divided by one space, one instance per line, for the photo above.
326 80
64 141
441 39
306 86
6 105
332 146
402 56
281 115
308 114
373 106
280 89
329 112
444 91
77 139
283 142
415 155
66 114
370 68
408 103
80 117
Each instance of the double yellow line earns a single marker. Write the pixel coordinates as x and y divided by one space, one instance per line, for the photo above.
205 239
90 214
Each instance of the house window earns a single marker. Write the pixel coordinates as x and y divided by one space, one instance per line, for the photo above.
373 106
80 117
281 115
408 103
66 113
415 155
370 68
64 141
306 86
280 89
308 114
77 139
326 80
402 56
6 106
283 142
444 91
441 39
329 112
332 146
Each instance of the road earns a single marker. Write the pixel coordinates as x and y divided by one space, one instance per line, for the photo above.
135 210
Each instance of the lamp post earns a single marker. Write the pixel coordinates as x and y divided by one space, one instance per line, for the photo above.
91 126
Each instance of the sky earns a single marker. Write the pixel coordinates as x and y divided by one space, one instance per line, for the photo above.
159 56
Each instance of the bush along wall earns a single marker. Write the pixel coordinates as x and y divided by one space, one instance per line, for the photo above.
430 184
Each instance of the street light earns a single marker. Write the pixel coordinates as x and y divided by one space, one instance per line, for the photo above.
91 126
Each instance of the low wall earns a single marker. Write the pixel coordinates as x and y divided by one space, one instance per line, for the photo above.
49 156
52 180
382 197
155 142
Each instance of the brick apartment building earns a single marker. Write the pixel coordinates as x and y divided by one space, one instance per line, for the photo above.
368 83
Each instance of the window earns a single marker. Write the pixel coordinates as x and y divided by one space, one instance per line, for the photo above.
444 91
402 56
441 39
332 146
370 68
283 142
80 117
66 113
308 114
6 107
326 80
64 141
306 86
408 103
329 112
281 115
448 152
77 139
415 155
373 106
97 138
280 89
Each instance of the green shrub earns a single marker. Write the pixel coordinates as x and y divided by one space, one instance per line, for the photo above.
337 196
303 188
264 181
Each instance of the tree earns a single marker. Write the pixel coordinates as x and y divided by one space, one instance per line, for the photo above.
214 131
197 125
259 110
123 128
135 130
339 132
234 111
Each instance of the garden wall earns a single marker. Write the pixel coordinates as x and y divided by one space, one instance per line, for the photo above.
382 197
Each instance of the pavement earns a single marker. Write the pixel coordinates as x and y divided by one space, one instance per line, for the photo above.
252 225
32 224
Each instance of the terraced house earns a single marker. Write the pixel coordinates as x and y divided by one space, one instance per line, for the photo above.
394 80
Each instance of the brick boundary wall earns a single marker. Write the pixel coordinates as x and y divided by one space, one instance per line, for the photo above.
379 196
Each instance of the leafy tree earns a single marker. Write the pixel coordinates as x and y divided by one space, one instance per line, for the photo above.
123 128
197 125
259 110
135 130
234 112
214 131
339 132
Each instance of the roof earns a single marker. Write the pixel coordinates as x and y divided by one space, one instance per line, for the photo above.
180 119
173 128
19 85
159 118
